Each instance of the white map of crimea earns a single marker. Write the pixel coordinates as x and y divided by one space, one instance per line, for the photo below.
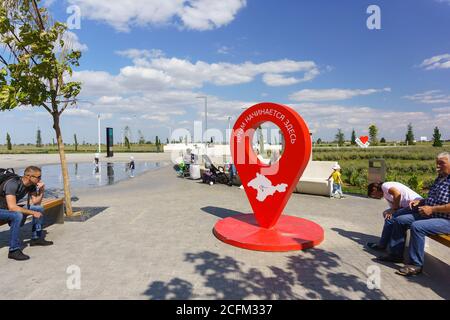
264 187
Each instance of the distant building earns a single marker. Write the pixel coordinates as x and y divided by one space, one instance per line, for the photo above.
423 139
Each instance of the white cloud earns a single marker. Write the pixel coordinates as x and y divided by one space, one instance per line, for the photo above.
71 40
332 94
48 3
151 71
224 50
276 80
193 14
79 113
137 54
437 62
109 100
97 83
162 116
441 110
430 97
327 118
209 14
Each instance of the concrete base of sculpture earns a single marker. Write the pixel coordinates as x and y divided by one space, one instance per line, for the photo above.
289 234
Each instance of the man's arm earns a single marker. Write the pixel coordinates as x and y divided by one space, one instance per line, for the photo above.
36 198
12 206
429 210
397 197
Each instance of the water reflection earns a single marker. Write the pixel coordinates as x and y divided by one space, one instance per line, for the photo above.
84 175
110 172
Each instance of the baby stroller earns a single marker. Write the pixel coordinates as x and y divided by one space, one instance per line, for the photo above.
182 169
214 174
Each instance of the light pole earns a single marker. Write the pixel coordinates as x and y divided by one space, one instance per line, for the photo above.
99 134
260 136
98 125
170 134
206 115
229 130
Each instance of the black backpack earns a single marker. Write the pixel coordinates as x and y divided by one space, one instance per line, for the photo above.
5 175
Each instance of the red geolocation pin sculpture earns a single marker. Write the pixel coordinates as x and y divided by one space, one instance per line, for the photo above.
269 186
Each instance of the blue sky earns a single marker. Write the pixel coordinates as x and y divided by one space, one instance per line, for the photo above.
145 62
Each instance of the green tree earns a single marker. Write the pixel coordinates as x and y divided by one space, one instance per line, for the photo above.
353 138
75 141
373 134
383 140
36 66
340 138
8 142
127 143
319 141
38 138
157 143
127 134
410 135
141 137
167 141
437 142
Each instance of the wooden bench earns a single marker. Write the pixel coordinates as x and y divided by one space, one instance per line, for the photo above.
442 238
53 211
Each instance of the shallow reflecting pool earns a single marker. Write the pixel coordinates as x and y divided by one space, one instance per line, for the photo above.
85 175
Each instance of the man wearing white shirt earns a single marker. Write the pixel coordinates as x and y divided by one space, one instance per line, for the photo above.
398 197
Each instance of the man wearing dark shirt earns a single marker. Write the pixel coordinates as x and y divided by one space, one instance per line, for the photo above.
11 192
430 216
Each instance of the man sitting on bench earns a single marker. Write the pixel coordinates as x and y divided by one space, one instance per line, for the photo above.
11 192
430 216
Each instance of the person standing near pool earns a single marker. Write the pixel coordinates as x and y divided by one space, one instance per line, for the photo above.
11 192
96 159
131 166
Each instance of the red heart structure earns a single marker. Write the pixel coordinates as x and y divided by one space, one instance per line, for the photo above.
269 186
364 139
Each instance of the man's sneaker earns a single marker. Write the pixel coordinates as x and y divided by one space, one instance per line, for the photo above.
18 255
409 270
40 242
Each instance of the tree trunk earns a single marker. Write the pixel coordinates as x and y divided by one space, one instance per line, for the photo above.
65 173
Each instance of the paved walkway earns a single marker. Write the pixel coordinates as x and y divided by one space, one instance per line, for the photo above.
153 240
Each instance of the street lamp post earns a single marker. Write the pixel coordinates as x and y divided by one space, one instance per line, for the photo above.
99 134
170 134
206 115
260 136
98 125
229 130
